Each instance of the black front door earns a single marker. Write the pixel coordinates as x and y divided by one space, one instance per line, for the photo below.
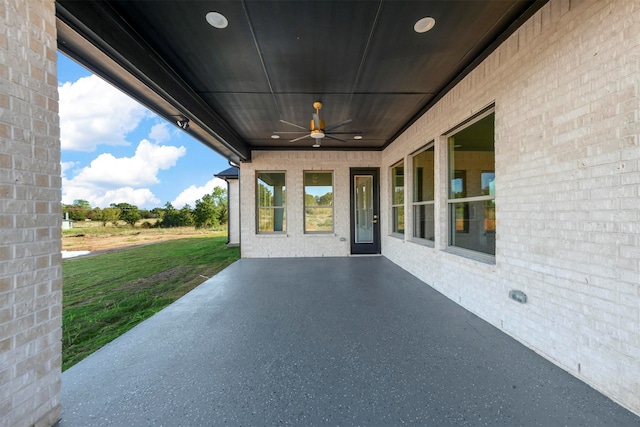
365 208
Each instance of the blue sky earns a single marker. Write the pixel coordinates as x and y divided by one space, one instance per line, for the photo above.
115 150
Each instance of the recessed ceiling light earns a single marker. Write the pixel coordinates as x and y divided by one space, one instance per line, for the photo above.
357 137
217 20
424 24
274 136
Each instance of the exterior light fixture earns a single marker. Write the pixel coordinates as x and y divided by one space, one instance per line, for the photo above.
217 20
425 24
357 137
183 123
274 136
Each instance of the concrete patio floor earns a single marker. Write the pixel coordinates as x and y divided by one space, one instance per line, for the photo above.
334 341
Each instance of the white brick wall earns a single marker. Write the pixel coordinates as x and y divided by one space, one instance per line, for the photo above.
566 88
234 211
30 216
295 243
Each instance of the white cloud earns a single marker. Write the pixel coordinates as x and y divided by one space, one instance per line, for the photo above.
109 179
92 112
193 193
159 132
65 166
141 169
139 197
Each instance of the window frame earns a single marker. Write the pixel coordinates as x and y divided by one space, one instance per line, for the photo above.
397 206
467 200
283 207
304 202
415 204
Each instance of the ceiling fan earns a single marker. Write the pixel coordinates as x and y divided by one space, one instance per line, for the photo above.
318 129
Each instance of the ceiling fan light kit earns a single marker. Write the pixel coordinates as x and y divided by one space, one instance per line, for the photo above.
317 128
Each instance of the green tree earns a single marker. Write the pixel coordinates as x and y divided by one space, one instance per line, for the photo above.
95 214
157 213
75 213
128 213
204 214
212 210
146 214
170 217
222 207
80 203
110 215
79 210
186 216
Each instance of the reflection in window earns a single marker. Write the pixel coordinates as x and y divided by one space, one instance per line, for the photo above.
271 196
488 183
397 195
472 222
459 184
423 195
318 202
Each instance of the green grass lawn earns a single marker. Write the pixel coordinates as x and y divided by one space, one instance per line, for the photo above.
106 295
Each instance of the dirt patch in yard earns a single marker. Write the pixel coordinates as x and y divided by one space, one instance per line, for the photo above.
91 240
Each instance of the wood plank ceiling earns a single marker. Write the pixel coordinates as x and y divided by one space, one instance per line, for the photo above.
362 59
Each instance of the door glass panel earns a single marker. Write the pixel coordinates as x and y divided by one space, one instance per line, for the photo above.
363 190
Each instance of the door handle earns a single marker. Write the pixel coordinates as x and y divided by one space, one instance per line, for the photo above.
375 219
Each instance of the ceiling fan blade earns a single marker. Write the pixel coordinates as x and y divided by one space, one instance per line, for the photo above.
337 125
316 121
334 137
298 139
293 124
347 132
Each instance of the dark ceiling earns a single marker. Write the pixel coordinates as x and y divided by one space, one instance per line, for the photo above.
361 59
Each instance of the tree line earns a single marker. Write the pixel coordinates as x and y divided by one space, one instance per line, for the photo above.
209 212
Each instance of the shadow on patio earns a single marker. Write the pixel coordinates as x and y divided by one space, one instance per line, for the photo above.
339 341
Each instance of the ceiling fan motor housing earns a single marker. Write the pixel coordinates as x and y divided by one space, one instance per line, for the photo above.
317 133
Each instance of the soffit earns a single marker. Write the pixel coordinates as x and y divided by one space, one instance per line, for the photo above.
361 59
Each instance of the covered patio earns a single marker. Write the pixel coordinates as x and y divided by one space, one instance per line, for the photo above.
338 341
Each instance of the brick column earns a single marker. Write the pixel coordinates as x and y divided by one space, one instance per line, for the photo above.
30 216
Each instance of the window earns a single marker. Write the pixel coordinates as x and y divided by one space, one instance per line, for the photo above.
318 202
423 195
271 195
397 195
472 210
